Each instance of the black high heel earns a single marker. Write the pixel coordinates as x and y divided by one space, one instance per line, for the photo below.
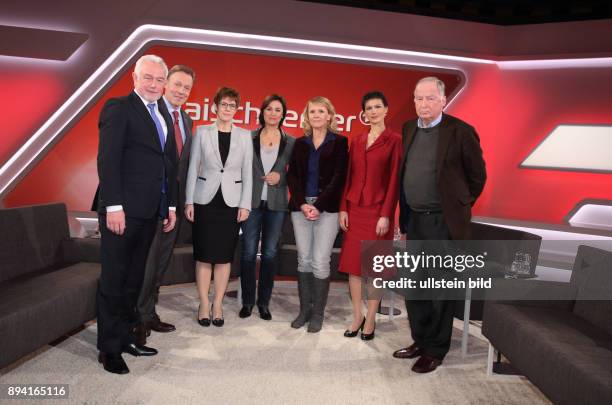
218 322
351 334
204 321
368 336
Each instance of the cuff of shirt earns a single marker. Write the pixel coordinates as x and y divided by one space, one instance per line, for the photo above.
172 208
114 208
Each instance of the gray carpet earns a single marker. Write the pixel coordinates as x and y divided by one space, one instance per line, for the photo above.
251 361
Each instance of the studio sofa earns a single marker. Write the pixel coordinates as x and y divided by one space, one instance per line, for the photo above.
48 281
562 345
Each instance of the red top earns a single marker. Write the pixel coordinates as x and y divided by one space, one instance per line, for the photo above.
373 173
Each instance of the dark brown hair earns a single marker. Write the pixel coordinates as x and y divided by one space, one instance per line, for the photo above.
266 103
227 92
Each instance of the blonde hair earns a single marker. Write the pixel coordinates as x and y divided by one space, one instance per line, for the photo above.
332 125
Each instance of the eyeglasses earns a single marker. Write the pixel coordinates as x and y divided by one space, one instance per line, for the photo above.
228 106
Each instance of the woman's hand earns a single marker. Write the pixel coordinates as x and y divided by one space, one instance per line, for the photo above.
343 219
272 178
189 212
243 214
310 212
314 214
382 226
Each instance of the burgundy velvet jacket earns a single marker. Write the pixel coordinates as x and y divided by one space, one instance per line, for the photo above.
332 173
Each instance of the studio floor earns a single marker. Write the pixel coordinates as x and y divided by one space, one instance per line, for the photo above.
251 361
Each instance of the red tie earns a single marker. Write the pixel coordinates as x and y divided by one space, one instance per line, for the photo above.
178 136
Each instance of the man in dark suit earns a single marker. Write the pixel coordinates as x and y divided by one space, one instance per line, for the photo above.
178 88
442 175
137 174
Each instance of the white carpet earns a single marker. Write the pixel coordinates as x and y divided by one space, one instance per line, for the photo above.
251 361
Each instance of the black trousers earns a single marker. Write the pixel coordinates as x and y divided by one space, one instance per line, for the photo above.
157 264
123 260
431 321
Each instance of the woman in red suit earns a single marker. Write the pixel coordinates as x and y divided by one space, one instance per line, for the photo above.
367 209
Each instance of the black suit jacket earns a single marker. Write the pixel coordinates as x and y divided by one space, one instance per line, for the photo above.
183 163
333 162
131 161
461 173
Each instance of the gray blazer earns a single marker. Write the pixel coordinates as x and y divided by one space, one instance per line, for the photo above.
277 195
206 172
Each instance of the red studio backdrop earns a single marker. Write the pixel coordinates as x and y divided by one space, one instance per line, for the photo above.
68 172
513 111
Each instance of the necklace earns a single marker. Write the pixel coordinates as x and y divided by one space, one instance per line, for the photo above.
270 141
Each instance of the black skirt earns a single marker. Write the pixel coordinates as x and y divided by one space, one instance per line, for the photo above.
215 232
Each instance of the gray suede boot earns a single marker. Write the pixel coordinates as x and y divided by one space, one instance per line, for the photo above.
305 281
320 292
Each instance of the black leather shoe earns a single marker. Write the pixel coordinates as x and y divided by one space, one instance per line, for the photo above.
204 321
426 364
113 363
138 350
245 311
352 333
409 352
368 336
218 322
158 326
264 312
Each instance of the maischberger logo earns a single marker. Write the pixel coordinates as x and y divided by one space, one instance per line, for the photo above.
207 112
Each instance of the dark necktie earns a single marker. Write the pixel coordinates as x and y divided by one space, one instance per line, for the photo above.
178 135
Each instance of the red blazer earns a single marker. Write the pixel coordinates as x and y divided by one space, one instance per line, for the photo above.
373 174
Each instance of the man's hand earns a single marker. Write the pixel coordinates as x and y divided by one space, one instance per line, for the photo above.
170 221
243 214
189 212
343 219
115 222
271 178
382 226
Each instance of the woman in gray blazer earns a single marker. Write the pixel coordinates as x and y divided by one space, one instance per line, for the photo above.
218 199
272 150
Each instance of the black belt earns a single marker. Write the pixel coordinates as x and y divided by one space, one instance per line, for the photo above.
426 212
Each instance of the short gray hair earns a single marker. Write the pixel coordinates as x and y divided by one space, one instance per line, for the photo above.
150 58
439 83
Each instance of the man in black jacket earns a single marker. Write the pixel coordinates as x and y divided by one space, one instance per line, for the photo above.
137 174
178 88
442 175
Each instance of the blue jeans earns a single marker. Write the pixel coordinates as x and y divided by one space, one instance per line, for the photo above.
267 224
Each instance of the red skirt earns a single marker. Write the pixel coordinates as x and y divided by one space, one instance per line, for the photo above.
362 226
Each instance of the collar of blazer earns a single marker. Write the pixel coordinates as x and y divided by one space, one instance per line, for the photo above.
143 111
445 133
382 139
256 134
213 139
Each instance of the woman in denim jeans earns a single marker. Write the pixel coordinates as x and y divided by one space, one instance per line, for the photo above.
272 150
316 176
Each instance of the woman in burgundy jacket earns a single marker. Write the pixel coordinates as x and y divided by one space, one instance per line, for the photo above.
316 175
367 209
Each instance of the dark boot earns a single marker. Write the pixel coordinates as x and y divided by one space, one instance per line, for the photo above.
305 281
320 291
